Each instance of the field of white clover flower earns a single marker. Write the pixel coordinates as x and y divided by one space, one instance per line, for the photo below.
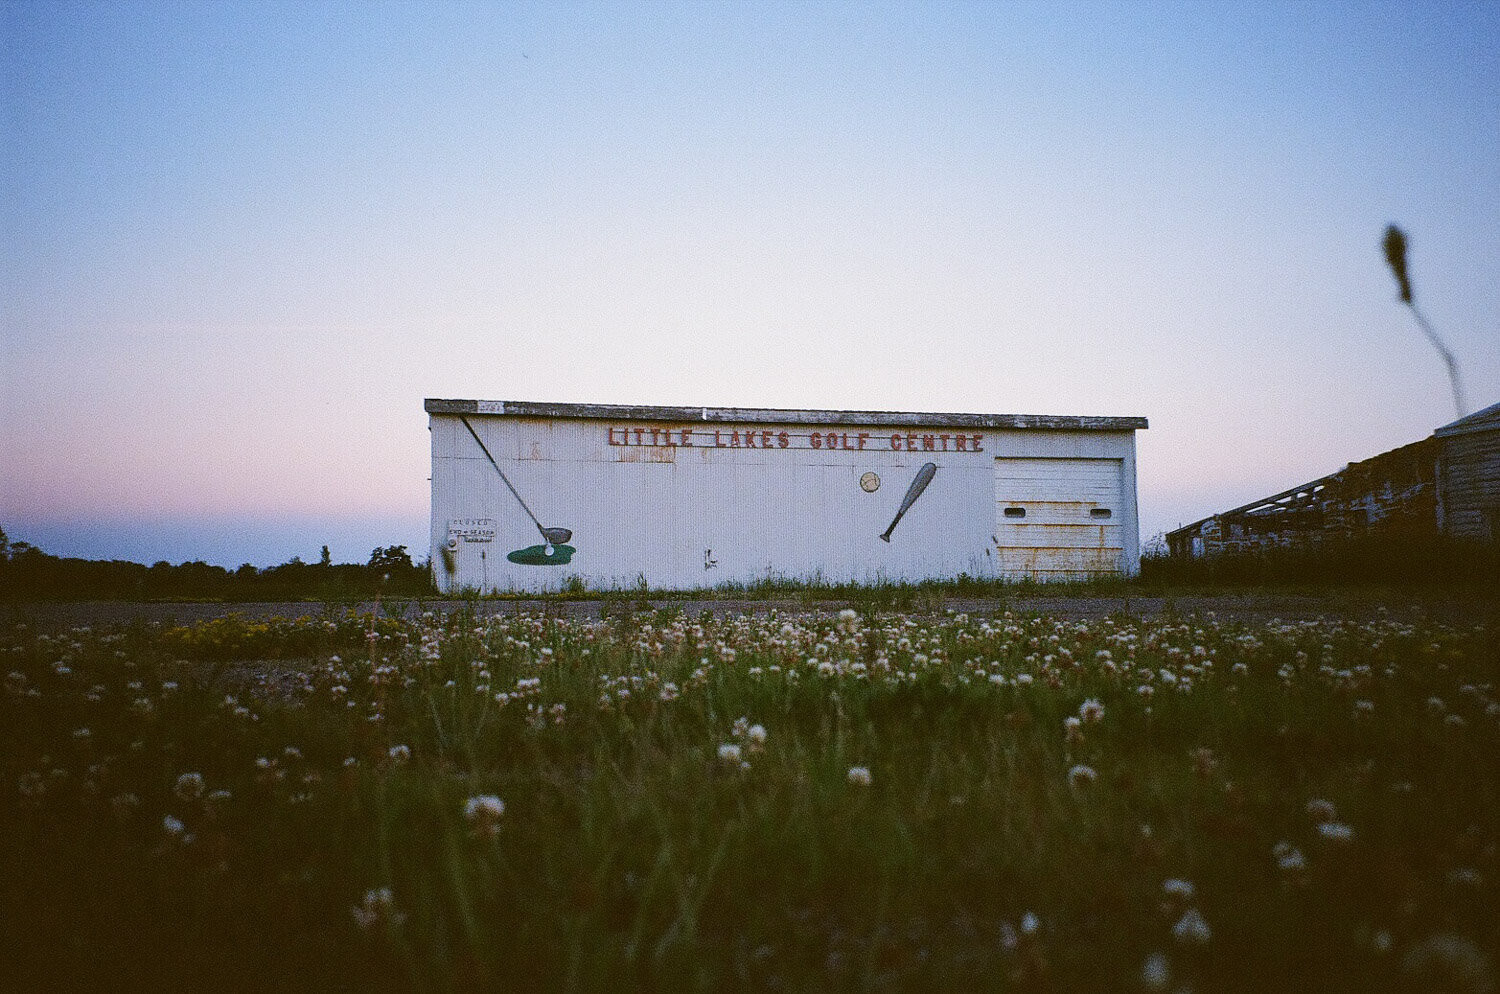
800 802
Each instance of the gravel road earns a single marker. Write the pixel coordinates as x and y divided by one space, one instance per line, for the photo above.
1452 608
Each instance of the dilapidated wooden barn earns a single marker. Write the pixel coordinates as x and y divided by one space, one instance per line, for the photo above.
1445 486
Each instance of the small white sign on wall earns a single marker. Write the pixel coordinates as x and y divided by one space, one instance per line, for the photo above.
472 529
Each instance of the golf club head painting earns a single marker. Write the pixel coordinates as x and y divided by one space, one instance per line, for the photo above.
554 550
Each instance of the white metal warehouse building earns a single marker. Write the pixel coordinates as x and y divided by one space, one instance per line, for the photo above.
531 496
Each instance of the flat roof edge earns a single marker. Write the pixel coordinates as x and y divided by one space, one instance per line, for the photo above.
1487 419
771 415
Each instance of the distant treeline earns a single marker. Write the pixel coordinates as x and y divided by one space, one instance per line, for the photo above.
28 573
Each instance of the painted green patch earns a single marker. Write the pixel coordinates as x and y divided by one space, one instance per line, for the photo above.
536 555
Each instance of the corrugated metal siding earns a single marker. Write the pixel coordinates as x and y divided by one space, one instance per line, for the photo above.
702 516
1053 530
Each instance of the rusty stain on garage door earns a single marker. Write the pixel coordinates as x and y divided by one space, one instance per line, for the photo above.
1058 519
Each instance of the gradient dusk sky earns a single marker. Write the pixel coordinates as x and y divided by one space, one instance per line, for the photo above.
242 241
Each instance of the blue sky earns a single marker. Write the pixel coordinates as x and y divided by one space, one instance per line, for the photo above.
243 241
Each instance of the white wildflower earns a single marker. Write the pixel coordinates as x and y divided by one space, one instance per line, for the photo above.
378 908
860 776
1191 928
1288 857
1335 831
1156 972
483 812
189 787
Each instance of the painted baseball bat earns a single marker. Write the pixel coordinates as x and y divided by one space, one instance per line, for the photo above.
924 477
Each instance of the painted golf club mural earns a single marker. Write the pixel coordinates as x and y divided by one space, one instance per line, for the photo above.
918 484
554 550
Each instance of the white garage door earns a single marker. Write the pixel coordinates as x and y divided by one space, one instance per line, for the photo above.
1059 519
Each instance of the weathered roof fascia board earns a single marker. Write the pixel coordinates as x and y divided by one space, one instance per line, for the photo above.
1272 505
766 415
1181 529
